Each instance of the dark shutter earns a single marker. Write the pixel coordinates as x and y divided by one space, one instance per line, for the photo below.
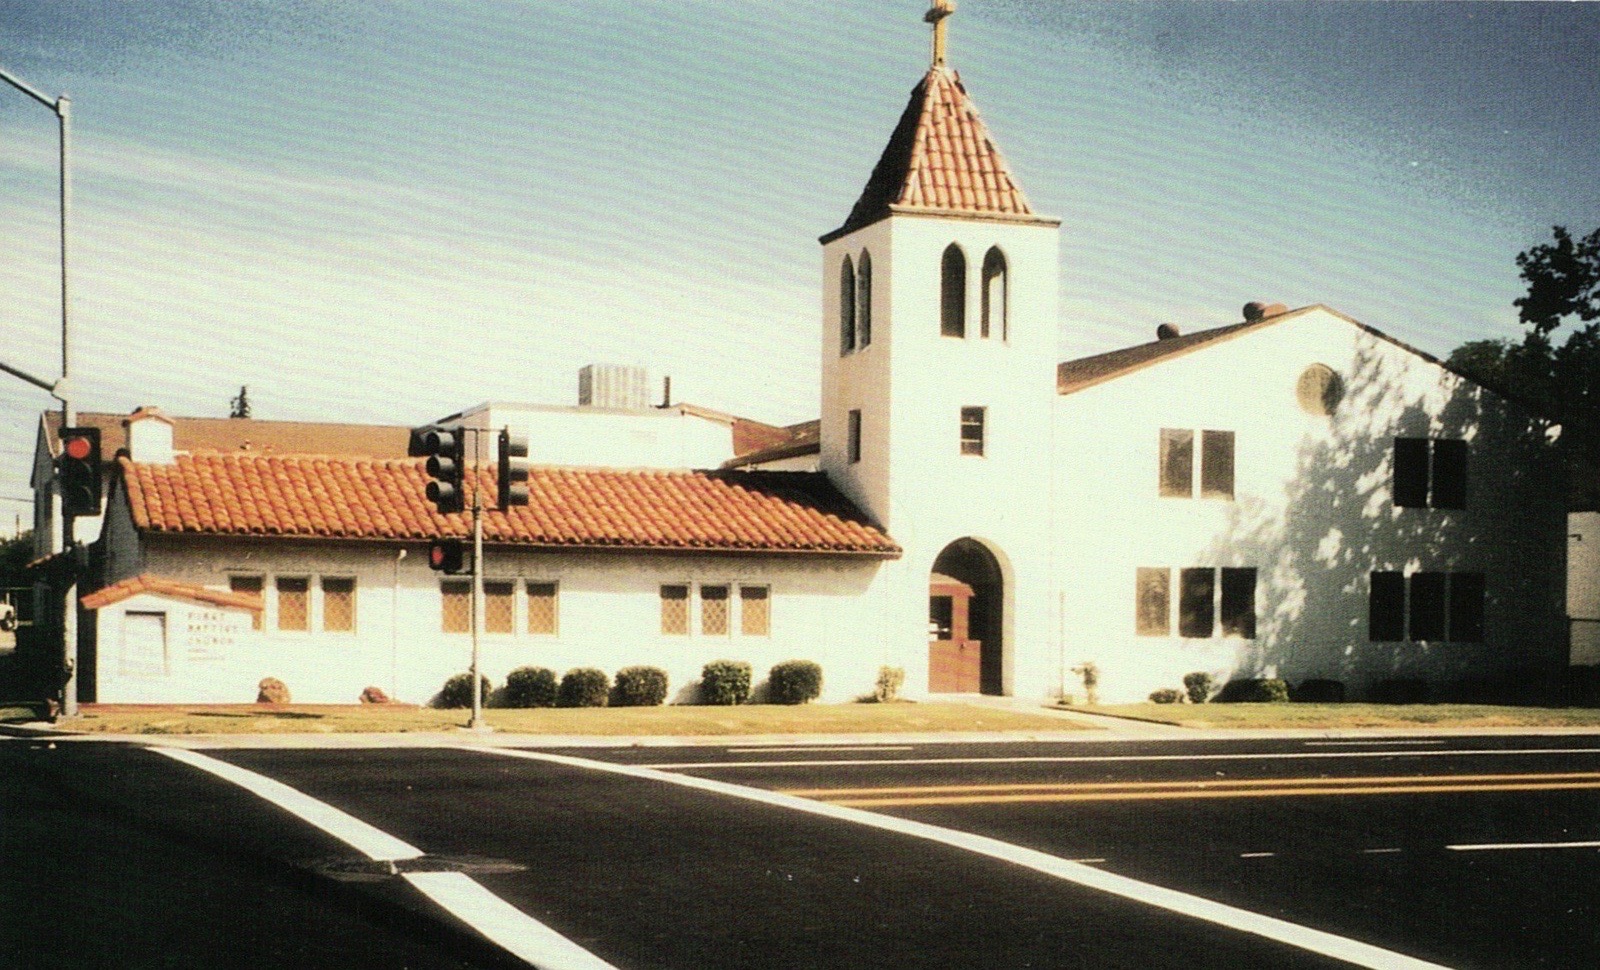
1466 607
1154 609
1177 462
1411 472
1196 614
1428 606
1216 464
1239 603
1386 607
1450 474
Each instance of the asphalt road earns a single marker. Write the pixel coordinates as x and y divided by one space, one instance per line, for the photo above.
1422 847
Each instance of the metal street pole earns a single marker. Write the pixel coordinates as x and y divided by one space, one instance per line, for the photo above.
477 723
62 106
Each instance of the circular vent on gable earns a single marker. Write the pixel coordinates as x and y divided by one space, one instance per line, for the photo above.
1319 390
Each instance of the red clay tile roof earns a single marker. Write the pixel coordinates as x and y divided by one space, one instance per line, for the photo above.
313 496
940 158
147 583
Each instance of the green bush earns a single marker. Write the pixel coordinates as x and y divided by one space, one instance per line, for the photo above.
795 682
640 687
890 680
1254 691
584 687
725 682
530 687
1401 690
1166 695
1198 685
1318 690
457 691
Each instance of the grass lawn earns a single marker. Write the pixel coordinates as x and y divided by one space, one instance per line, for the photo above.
1354 715
601 721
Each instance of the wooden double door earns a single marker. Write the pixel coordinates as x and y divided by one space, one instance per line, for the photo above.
955 660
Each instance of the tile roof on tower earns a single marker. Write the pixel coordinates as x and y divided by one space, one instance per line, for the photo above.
940 159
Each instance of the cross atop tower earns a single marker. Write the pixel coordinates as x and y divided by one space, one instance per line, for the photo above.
936 15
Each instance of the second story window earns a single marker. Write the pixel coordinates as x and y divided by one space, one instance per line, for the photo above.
1179 478
953 293
864 301
972 430
854 442
1430 473
847 307
994 296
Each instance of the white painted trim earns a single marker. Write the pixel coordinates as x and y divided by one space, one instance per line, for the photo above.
1282 931
508 927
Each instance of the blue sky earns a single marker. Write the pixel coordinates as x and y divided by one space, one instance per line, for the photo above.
389 211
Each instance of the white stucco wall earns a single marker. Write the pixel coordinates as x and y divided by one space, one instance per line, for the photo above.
822 609
608 437
1312 511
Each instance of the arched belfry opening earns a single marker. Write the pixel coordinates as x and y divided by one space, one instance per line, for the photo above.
966 621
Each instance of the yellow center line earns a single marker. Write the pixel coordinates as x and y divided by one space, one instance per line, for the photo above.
1210 788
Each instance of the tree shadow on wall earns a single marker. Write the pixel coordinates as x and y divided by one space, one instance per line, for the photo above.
1339 524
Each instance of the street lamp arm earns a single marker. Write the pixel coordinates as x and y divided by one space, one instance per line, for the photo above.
31 91
24 375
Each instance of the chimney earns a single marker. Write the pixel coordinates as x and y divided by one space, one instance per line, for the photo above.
149 436
1167 331
1256 311
666 391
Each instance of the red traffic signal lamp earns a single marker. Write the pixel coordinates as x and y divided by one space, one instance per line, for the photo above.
446 451
448 556
512 473
78 471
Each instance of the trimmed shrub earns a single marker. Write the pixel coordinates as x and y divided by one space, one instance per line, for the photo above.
271 690
374 695
584 687
795 682
725 682
530 687
1318 691
1400 690
1255 690
1166 695
890 680
1198 685
457 691
640 687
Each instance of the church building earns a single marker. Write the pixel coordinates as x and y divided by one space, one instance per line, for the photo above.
1293 495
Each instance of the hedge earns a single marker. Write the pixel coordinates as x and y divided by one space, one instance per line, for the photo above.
795 682
584 687
530 687
725 682
640 687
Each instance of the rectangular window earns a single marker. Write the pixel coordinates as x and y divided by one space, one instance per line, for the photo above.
542 615
499 607
1196 602
338 604
294 603
755 611
1177 462
455 606
1239 603
1430 473
855 436
1216 464
1153 612
253 586
714 610
675 610
941 617
972 420
1427 606
1386 608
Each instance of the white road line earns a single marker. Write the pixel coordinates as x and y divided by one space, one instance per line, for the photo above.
1257 855
1100 759
768 749
1282 931
460 895
1330 744
1490 847
511 928
1379 851
371 842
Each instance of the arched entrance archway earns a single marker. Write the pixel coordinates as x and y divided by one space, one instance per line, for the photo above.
965 621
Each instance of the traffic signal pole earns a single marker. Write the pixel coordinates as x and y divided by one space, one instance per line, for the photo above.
477 723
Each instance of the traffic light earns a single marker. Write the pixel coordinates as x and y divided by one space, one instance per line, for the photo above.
78 471
446 451
513 471
448 556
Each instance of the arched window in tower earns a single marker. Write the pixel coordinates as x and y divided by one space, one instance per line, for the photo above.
994 294
847 307
953 293
864 300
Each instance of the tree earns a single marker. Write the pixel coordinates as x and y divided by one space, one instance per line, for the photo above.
1563 280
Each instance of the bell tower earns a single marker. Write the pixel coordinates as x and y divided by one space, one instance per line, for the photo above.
938 350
